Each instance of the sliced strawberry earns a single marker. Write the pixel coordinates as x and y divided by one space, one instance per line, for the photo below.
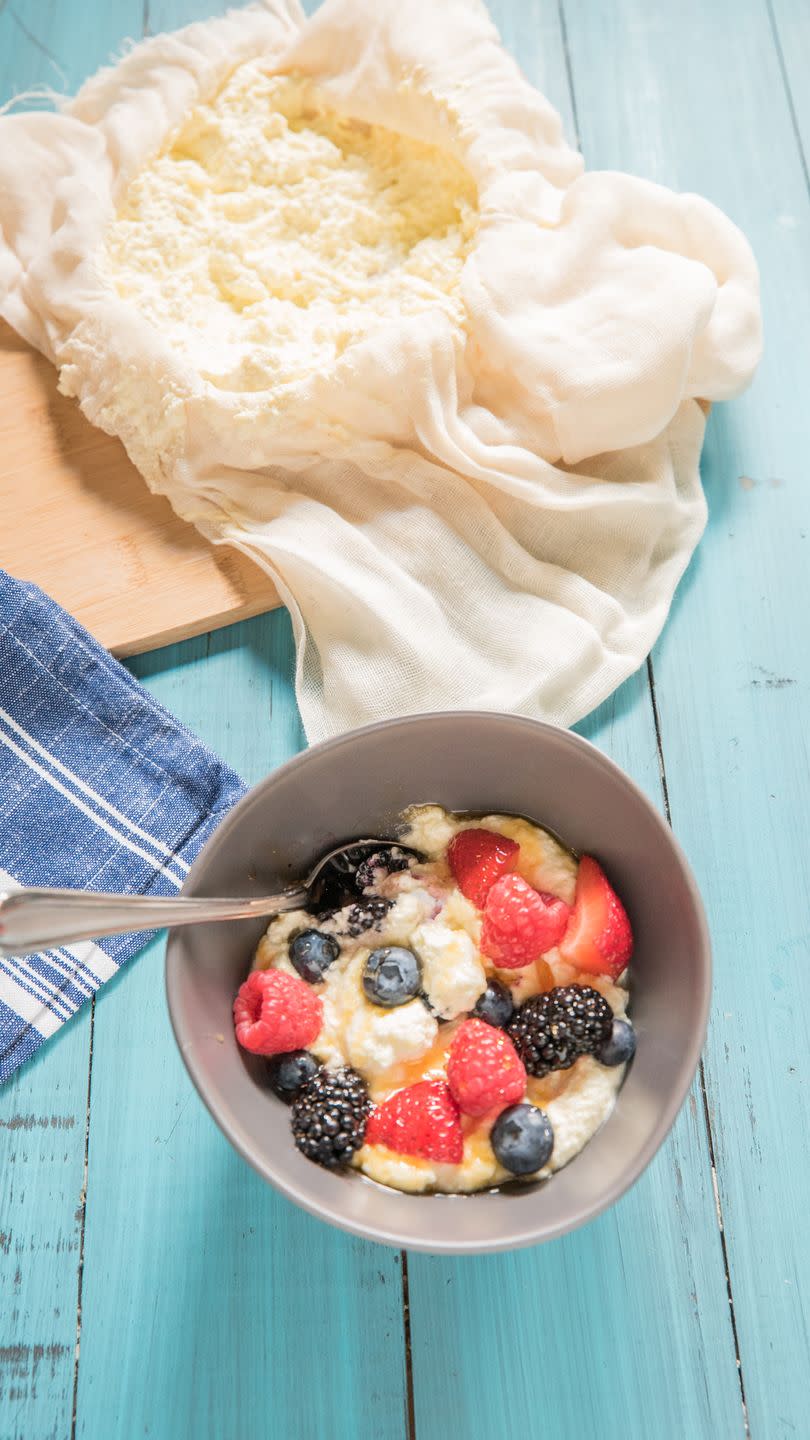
477 859
421 1120
599 938
521 924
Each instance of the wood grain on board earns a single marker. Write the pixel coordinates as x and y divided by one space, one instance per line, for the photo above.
80 521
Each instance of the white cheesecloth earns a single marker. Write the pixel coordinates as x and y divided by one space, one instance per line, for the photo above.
498 521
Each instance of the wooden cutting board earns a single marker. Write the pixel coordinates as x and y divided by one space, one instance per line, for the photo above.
80 520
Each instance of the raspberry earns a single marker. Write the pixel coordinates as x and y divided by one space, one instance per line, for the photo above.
477 859
484 1071
421 1120
521 924
274 1012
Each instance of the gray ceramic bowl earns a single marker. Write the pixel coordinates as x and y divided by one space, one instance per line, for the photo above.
357 785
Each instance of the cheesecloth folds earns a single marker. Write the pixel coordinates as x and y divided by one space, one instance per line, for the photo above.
497 518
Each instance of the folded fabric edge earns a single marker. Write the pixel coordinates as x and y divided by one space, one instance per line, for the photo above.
40 993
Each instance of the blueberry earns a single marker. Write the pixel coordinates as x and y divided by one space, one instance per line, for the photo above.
496 1005
312 952
522 1139
287 1074
391 976
620 1045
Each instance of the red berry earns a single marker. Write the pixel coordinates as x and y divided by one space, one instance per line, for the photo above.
599 938
421 1120
275 1012
484 1070
521 924
477 859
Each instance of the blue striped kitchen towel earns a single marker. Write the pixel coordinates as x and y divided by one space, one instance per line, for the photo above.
100 789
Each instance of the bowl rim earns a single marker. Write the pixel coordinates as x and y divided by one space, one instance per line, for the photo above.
379 1233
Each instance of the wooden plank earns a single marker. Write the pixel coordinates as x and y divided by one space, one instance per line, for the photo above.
47 43
697 101
232 1313
43 1110
43 1114
80 520
791 27
171 14
622 1330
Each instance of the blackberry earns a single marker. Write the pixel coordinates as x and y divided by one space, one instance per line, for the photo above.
551 1031
390 860
329 1116
367 914
352 872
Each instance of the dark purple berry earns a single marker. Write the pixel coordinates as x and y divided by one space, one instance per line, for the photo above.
312 952
522 1139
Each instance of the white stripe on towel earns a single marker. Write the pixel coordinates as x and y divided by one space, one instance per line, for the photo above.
80 805
97 961
159 845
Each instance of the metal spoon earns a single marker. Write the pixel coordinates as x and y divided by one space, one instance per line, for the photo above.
36 919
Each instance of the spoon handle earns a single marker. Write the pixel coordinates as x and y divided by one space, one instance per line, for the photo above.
38 919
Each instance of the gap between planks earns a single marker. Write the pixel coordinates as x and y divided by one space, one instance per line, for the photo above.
83 1203
410 1407
569 73
662 771
86 1166
780 58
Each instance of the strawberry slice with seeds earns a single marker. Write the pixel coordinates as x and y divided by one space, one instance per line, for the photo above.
423 1120
599 937
477 859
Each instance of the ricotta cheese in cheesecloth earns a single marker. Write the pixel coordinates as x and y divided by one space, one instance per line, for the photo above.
351 303
274 233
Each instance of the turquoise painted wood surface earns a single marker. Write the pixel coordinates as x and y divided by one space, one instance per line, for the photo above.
732 668
184 1299
44 1110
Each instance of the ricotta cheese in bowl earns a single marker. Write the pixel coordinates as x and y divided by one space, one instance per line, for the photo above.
273 233
457 1019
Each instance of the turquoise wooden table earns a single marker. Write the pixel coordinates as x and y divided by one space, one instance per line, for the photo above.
150 1284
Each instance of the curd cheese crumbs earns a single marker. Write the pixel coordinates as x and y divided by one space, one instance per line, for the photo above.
463 1011
274 232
